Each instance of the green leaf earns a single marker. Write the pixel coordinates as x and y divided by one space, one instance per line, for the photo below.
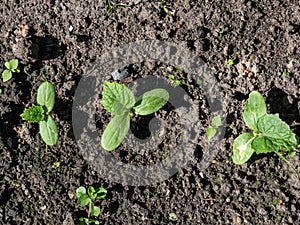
13 64
216 121
91 192
46 95
151 101
7 65
277 131
115 132
101 192
95 211
33 114
210 132
242 150
262 144
0 91
83 200
117 98
48 131
80 191
255 107
6 75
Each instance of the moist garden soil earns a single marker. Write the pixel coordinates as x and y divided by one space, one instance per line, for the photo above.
261 37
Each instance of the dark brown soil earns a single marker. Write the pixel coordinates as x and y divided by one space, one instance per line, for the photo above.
262 37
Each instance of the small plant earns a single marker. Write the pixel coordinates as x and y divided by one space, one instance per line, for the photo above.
11 67
41 113
285 73
111 6
221 34
120 101
164 6
174 80
270 133
229 62
214 128
86 197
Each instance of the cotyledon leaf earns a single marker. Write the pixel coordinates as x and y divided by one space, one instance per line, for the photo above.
255 107
115 132
46 95
48 131
151 101
242 150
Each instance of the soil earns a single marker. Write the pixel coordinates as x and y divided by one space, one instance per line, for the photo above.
262 38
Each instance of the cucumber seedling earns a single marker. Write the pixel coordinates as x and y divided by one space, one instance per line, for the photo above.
86 197
120 102
11 67
41 113
270 133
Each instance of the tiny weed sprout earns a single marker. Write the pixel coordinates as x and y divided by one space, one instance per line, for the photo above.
270 133
221 34
11 67
229 62
285 73
55 165
164 7
111 6
86 197
120 102
41 113
214 128
174 80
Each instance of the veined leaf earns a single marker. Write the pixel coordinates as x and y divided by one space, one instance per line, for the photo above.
242 150
151 101
46 95
117 98
277 131
115 132
48 131
262 144
255 107
33 114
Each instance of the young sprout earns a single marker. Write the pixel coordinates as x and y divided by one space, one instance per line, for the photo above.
86 197
229 62
285 73
164 7
120 102
41 113
11 67
270 133
111 6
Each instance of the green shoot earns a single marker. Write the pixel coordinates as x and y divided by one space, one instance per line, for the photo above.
120 101
111 6
86 197
41 113
270 133
11 67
